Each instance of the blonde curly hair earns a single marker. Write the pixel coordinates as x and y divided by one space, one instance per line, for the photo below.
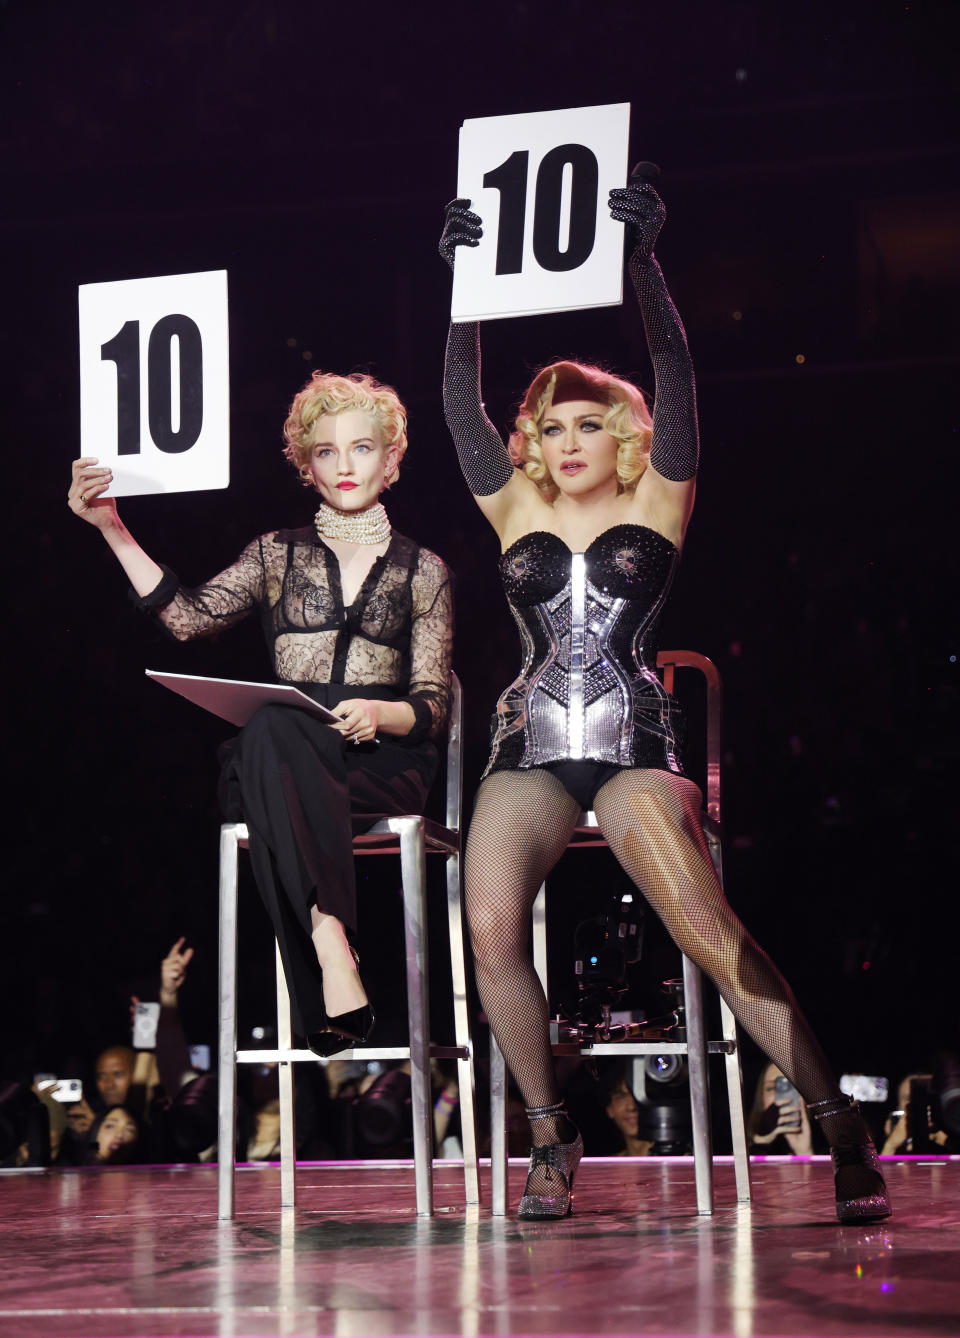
328 393
627 419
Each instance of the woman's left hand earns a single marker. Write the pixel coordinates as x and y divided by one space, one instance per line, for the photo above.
360 719
639 206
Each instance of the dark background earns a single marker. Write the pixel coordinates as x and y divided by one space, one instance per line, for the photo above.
809 162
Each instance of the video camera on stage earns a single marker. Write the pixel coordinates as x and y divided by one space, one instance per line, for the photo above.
605 946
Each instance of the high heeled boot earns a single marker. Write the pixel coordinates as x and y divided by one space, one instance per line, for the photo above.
549 1189
860 1188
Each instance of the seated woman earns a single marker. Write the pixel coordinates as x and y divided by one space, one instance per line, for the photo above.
591 527
361 619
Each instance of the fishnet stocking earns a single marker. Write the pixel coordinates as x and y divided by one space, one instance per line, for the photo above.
651 821
521 826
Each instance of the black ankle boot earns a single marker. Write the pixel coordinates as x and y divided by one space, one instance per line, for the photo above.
860 1188
560 1161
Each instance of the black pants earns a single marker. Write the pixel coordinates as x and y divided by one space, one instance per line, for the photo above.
296 783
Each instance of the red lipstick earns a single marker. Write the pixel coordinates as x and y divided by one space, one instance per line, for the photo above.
346 486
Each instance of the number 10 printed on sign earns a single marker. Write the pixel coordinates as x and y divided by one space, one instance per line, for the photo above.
154 382
539 183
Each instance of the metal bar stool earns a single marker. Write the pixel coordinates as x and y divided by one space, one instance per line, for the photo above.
696 1047
412 837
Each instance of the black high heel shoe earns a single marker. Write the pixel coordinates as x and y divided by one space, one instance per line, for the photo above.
860 1188
343 1032
560 1161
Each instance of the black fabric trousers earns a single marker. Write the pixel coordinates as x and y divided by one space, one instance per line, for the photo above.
297 785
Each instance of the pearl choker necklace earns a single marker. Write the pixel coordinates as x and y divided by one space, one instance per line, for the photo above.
371 526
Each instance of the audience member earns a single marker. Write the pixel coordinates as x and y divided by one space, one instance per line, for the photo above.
114 1139
622 1111
778 1121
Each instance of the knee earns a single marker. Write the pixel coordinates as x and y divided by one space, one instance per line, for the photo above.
268 722
493 935
482 923
281 726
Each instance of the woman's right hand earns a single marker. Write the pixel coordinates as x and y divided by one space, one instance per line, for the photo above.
85 498
461 227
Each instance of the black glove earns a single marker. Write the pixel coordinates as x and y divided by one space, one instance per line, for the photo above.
640 207
460 228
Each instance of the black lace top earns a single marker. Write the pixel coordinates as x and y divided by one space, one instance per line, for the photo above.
396 636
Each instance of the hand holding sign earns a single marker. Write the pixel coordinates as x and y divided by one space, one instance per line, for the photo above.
533 187
89 482
461 227
639 206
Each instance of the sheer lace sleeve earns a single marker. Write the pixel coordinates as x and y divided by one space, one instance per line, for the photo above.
215 605
486 465
431 646
675 448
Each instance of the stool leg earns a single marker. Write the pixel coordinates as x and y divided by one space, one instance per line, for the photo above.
738 1127
699 1086
466 1080
414 879
499 1166
227 1065
288 1131
733 1070
540 938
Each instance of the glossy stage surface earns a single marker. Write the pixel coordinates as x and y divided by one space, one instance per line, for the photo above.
140 1252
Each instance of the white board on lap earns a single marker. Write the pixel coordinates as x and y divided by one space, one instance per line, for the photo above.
539 182
154 382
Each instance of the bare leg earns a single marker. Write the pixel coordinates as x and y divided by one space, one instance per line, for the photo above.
342 987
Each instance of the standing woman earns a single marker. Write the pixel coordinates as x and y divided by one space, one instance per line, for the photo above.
591 528
361 619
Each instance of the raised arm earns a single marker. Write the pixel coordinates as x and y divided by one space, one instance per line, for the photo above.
186 614
484 459
674 450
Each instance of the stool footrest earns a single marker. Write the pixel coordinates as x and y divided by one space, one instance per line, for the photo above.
600 1048
381 1052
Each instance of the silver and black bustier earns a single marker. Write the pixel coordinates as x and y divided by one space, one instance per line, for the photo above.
588 688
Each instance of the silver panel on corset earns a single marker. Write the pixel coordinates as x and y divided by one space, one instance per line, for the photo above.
578 600
579 701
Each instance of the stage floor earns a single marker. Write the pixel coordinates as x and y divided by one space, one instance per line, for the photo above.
140 1252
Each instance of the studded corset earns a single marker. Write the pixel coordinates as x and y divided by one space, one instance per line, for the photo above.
588 688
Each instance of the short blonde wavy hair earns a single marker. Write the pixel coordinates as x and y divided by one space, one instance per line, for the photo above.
627 419
328 393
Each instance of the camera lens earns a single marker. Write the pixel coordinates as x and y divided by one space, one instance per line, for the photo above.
663 1068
